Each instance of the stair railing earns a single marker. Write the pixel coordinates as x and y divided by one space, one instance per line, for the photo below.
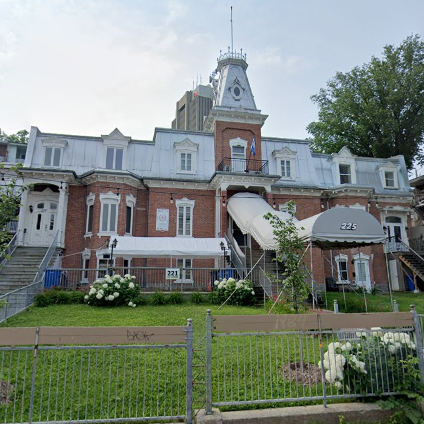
265 282
402 247
46 260
237 257
8 251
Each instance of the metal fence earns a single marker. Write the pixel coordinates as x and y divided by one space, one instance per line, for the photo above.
18 300
142 374
283 358
148 278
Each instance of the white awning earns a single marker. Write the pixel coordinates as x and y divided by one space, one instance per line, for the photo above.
342 228
248 210
334 228
177 247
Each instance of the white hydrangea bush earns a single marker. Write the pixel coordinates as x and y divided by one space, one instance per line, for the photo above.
350 366
113 291
241 291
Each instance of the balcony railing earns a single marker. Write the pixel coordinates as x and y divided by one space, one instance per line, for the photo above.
249 166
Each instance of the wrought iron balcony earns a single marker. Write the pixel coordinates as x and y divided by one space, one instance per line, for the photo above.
249 166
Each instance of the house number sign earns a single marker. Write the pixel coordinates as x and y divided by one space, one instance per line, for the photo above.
349 226
172 273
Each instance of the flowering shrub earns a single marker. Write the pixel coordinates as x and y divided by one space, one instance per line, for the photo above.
113 291
241 292
354 366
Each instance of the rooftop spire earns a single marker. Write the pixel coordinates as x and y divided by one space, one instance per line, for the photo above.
231 20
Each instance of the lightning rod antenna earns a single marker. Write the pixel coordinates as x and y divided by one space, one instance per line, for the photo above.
231 20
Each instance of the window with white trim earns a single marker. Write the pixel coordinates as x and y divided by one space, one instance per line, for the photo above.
286 162
126 266
285 168
342 268
129 217
109 213
90 211
114 158
185 156
345 173
284 208
53 151
344 167
185 266
103 265
389 175
238 155
185 217
52 156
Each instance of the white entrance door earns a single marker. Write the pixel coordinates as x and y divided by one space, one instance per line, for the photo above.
44 223
362 272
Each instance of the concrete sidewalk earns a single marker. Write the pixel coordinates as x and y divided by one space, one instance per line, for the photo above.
353 412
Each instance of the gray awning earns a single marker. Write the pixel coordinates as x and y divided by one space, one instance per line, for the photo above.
341 228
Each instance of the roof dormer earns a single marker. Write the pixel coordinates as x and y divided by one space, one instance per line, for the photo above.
344 167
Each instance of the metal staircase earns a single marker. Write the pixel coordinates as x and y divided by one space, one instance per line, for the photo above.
407 256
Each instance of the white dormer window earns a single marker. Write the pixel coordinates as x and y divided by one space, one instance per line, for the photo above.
344 169
116 145
345 173
53 152
389 175
185 153
114 158
285 168
286 163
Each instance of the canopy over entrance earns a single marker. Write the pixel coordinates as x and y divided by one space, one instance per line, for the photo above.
341 228
176 247
334 228
247 211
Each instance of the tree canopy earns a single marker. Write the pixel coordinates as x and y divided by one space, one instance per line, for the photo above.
20 137
377 109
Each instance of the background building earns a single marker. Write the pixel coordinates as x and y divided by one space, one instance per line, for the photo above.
193 108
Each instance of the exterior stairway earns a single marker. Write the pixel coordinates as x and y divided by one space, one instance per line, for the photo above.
414 262
21 268
270 267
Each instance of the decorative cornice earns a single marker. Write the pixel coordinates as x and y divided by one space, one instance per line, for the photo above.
224 180
191 185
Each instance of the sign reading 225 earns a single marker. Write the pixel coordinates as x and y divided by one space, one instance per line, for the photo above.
349 226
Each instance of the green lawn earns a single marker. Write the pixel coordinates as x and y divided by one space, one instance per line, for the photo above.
381 302
87 316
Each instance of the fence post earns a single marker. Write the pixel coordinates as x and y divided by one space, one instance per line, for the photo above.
34 372
336 306
208 362
395 306
189 383
419 340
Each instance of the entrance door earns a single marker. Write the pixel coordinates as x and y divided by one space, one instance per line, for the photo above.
394 233
44 223
362 271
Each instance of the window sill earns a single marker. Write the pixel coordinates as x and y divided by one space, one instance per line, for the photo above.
107 234
186 172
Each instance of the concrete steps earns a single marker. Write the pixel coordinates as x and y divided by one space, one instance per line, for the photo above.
21 268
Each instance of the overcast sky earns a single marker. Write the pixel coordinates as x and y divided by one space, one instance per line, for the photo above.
87 66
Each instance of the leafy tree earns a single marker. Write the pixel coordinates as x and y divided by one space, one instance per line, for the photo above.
20 137
376 110
290 253
10 201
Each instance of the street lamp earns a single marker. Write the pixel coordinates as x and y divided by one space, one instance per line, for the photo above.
222 244
112 246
